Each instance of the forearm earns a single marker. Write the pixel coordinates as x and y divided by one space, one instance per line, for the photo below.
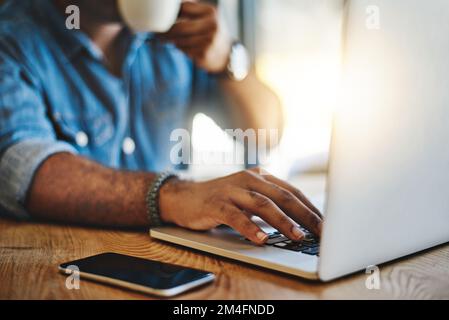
253 104
68 188
71 189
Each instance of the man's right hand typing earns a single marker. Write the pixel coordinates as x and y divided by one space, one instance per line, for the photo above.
69 188
234 200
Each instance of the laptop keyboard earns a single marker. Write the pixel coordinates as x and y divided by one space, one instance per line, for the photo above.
309 245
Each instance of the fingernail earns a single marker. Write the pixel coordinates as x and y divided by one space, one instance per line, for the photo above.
262 236
297 233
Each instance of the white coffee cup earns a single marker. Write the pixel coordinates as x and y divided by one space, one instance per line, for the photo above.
149 15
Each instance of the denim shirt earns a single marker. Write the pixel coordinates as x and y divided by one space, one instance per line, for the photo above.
56 95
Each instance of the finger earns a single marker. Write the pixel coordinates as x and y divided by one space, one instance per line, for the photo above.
286 200
193 53
197 9
266 209
288 203
241 222
189 27
298 194
196 41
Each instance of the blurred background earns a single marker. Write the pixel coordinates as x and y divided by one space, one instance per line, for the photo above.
296 49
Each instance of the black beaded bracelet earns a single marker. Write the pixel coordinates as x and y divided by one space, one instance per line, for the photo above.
153 198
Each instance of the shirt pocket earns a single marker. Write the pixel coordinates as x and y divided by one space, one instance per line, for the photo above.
97 127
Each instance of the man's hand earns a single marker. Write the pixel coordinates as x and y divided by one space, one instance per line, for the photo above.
95 195
200 34
233 200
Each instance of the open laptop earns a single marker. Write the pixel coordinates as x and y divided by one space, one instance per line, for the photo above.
388 182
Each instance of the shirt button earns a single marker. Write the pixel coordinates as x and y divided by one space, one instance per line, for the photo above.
82 139
128 146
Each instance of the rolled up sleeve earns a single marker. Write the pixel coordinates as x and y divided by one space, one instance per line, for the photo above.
17 168
27 137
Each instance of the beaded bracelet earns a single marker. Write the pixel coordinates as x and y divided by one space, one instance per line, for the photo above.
153 198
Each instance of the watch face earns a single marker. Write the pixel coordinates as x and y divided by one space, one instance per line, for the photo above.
239 64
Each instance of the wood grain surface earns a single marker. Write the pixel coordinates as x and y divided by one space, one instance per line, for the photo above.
31 252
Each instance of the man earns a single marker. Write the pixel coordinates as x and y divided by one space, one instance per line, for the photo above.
86 115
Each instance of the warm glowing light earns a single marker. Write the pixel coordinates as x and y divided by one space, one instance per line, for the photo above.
299 57
308 87
208 136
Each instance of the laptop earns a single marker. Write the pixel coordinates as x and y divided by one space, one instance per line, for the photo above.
388 179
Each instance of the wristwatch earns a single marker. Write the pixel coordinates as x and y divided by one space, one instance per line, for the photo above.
239 62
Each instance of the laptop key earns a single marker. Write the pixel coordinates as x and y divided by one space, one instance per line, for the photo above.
295 246
272 241
273 238
275 234
312 251
298 247
311 246
280 245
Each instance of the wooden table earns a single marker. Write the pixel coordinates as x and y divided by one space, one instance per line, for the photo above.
31 252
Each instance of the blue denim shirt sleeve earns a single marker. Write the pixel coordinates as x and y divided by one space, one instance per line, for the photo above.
26 136
17 168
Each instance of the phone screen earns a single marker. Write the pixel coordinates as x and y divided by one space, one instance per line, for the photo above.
143 272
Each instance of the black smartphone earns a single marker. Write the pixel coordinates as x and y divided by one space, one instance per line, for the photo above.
138 274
